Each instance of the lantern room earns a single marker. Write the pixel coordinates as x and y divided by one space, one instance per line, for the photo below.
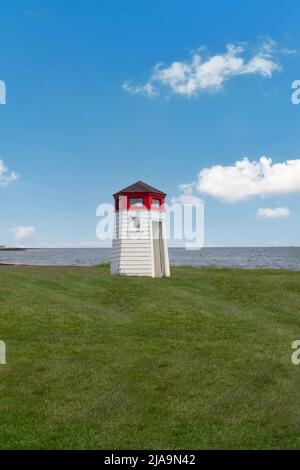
139 196
139 243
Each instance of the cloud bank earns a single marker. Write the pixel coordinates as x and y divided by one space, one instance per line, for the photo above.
188 78
246 179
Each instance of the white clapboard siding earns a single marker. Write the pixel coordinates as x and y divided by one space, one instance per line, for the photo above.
132 250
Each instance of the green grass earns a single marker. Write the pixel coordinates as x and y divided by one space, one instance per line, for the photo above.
201 360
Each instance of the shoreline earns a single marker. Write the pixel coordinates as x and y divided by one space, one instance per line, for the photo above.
17 265
182 266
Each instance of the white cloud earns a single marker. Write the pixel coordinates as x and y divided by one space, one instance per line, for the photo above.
147 89
6 176
190 77
187 195
287 51
273 213
246 179
21 232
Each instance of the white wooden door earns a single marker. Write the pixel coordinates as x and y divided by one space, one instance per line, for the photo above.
158 249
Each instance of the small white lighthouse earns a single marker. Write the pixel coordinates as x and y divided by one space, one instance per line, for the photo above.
140 245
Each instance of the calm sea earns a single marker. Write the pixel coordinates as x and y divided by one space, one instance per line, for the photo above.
279 258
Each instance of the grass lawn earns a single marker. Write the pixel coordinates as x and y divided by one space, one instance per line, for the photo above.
201 360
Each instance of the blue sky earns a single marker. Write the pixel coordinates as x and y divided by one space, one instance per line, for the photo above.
75 135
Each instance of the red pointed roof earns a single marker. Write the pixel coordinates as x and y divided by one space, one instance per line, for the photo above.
140 187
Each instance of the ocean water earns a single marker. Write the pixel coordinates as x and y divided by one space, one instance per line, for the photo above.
279 258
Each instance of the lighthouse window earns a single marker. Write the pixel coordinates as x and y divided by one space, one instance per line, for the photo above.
136 202
136 223
155 202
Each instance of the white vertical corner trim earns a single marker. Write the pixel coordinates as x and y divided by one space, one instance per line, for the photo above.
151 248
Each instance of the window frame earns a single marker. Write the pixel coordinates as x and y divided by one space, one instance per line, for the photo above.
136 205
156 206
